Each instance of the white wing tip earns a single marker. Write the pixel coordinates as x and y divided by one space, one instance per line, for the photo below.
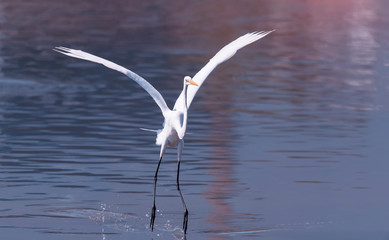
262 33
60 48
63 50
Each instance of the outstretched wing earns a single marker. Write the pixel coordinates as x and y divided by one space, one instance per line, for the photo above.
141 81
223 55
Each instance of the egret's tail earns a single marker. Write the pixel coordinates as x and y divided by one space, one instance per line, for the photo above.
150 130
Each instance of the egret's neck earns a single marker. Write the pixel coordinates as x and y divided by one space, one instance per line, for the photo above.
182 130
185 90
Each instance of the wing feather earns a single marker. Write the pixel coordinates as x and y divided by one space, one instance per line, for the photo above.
223 55
138 79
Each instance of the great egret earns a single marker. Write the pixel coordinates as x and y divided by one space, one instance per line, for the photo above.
174 126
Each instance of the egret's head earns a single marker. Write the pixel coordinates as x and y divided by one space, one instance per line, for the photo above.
188 81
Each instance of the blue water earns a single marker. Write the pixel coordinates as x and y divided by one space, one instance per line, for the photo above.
287 140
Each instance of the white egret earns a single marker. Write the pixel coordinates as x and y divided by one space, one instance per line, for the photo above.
175 121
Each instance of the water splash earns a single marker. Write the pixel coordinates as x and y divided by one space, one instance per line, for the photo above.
122 222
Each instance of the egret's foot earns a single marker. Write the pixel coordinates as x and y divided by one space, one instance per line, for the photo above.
185 223
152 218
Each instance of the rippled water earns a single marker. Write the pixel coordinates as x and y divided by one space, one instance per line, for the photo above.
287 140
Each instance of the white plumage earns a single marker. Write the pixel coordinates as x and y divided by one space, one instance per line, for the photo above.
223 55
175 120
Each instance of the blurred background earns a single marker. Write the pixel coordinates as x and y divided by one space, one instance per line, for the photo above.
287 140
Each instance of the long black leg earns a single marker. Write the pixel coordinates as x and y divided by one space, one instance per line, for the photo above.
179 153
154 208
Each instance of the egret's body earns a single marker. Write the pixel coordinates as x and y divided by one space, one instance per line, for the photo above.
175 120
169 132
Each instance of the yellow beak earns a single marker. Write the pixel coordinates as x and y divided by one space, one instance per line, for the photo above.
193 82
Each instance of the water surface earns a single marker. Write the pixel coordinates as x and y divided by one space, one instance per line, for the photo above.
287 140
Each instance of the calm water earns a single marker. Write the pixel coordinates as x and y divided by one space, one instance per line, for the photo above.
288 140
